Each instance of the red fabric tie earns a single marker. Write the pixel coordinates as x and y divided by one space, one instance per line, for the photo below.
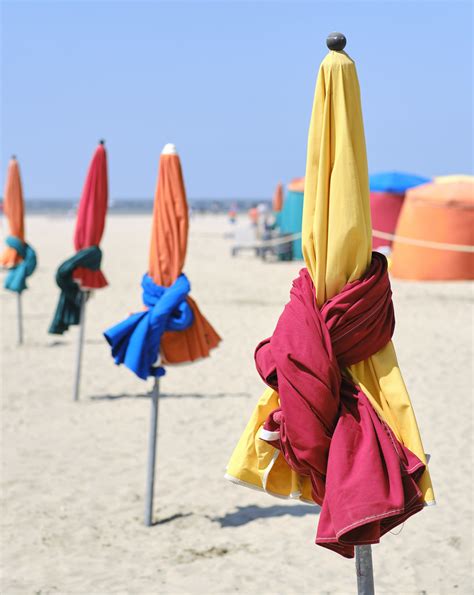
363 478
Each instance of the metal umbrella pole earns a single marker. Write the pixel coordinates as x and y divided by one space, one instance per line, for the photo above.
365 570
19 318
80 344
150 480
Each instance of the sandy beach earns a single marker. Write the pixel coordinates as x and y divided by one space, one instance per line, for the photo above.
73 474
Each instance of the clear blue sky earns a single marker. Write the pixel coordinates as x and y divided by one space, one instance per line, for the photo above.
230 83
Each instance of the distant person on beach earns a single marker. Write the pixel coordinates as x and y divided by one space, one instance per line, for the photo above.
263 221
233 214
253 215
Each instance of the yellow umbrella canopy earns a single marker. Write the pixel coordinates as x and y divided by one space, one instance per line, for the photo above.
337 232
337 240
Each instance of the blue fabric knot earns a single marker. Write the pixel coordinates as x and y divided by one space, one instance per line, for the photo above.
16 277
136 340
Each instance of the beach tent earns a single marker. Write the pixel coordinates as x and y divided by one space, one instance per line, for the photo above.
290 447
18 257
387 191
81 274
453 178
435 233
170 329
296 185
290 218
395 182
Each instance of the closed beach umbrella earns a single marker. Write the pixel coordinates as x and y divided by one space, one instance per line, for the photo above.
90 221
336 425
171 329
277 202
18 257
168 246
80 274
14 209
337 237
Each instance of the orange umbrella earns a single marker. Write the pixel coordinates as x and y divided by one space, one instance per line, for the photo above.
18 256
169 239
277 203
172 329
14 209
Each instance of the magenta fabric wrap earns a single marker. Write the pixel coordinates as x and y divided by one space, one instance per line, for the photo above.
325 427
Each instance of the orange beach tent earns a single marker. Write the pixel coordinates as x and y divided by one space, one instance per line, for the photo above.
435 233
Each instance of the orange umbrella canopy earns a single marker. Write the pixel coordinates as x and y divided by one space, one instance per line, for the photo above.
277 203
169 239
436 214
14 209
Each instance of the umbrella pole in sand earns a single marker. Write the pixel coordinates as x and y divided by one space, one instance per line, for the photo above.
19 318
80 343
364 569
150 480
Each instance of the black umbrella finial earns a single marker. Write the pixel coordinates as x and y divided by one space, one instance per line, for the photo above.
14 157
102 141
336 41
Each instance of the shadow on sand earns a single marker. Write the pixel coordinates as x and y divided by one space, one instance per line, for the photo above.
246 514
173 517
169 396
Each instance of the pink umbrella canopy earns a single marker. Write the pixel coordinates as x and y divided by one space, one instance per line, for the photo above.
91 214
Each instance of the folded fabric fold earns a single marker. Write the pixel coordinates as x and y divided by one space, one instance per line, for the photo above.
136 340
69 304
16 277
325 427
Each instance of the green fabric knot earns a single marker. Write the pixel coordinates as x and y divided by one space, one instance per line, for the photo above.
68 309
16 277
